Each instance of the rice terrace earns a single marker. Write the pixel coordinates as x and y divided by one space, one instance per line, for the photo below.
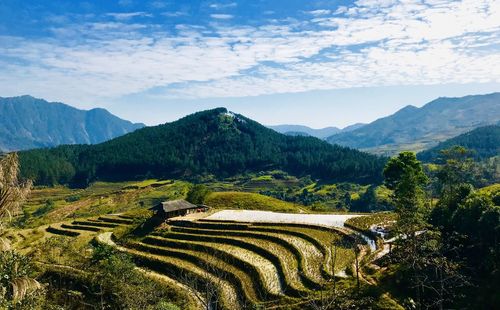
249 155
228 259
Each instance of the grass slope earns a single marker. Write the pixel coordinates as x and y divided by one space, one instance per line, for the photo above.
249 201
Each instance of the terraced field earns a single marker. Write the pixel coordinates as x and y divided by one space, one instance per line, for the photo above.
247 264
228 264
90 226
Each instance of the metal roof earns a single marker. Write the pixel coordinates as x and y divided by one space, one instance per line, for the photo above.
176 205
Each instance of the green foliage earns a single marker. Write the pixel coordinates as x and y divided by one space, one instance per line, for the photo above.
16 271
164 305
72 198
484 142
197 194
405 176
46 208
106 280
371 201
210 142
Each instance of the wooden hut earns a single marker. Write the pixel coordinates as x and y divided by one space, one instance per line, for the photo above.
173 208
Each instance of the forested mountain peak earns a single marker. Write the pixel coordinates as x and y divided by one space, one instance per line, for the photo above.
214 142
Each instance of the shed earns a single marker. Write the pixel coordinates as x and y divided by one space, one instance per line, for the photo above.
173 208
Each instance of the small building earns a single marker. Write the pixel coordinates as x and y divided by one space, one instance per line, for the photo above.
173 208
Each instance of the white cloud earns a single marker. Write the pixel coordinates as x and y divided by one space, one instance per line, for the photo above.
376 43
127 16
220 6
319 12
221 16
174 14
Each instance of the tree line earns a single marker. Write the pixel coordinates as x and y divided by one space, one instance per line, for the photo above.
211 142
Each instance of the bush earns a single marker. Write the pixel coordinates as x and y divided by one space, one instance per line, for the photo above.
197 194
163 305
72 198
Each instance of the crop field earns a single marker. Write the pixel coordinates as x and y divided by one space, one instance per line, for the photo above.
250 264
243 258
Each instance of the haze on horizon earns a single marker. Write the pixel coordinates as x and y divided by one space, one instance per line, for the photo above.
315 63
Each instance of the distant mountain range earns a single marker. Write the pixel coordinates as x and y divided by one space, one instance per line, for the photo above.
323 133
214 142
416 129
27 122
484 142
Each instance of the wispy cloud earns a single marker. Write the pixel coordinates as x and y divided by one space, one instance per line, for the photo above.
319 12
371 43
174 14
127 16
220 6
221 16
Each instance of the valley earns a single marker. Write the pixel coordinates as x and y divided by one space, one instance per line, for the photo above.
215 211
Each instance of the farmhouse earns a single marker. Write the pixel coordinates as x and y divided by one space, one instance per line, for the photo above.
168 209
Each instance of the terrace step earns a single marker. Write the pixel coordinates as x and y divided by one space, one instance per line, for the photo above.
209 225
191 275
310 277
210 265
62 232
201 281
115 220
81 227
293 282
95 224
307 232
266 277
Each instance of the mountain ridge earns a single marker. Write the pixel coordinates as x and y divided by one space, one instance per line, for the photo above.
321 133
27 122
415 129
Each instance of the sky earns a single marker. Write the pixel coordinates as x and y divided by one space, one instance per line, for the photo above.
316 62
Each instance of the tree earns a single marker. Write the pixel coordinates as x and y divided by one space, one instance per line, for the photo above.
421 254
405 176
457 168
197 194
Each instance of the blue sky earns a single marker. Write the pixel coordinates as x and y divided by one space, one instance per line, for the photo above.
318 63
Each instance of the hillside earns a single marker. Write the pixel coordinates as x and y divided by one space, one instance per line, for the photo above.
484 142
27 123
323 133
214 142
417 129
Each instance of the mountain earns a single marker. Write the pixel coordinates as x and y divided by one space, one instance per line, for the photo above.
415 129
294 130
214 142
484 142
353 127
297 133
323 133
27 122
